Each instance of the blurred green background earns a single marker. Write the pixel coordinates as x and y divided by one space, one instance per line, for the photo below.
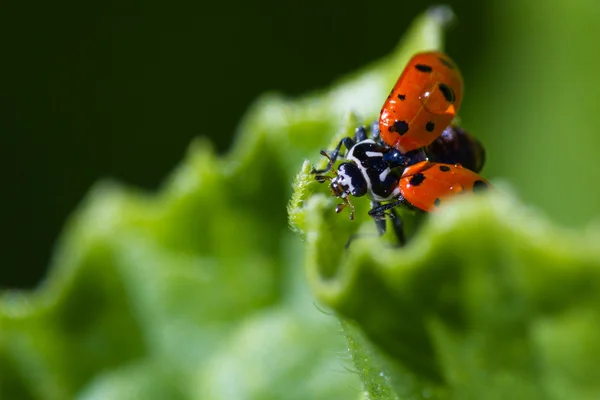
118 89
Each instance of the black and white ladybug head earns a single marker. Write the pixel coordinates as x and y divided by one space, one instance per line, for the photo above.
349 180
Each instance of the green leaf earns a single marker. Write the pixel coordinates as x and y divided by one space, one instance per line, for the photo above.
197 291
487 301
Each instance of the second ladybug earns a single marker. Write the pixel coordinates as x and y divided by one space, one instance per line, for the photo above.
423 102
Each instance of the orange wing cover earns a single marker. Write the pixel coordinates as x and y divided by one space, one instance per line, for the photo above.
425 185
423 102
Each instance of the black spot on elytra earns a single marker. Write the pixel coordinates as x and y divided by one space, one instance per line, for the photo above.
423 68
402 97
479 186
444 168
400 127
430 126
447 63
447 92
437 202
416 179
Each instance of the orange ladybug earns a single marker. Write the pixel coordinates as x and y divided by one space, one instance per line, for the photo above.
423 102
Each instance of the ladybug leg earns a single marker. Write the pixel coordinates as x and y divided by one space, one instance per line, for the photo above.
375 131
379 223
398 225
379 213
360 134
347 142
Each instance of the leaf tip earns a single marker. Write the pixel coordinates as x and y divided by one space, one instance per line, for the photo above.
442 14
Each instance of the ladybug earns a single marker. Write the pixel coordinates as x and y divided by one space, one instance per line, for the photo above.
423 102
384 174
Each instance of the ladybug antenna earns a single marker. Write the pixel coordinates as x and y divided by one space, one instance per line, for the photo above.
323 178
330 163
